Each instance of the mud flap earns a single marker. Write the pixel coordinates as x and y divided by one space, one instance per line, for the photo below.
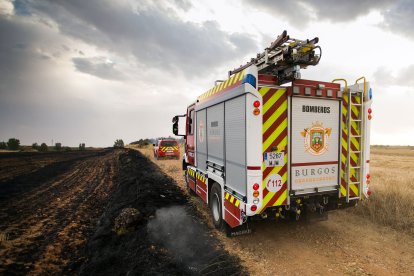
243 229
232 212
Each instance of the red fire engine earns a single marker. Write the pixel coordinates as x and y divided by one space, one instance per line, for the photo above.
166 148
267 144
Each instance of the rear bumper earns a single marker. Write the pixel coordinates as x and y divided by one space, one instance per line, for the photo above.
170 156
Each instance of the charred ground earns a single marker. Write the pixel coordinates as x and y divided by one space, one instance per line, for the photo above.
169 238
58 214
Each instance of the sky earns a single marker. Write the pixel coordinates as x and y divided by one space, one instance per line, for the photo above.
94 71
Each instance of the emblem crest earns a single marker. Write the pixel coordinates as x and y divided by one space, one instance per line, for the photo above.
316 138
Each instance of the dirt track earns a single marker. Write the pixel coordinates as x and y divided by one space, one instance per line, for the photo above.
346 244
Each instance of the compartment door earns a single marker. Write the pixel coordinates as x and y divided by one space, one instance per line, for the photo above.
315 144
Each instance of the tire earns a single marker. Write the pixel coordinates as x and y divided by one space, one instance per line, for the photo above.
216 206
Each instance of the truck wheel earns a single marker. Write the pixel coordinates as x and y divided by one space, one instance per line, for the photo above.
216 206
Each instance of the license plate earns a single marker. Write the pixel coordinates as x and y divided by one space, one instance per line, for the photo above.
274 159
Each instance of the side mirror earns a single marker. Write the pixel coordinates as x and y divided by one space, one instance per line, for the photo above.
175 120
153 145
175 128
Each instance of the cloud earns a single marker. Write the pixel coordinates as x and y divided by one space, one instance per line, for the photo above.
152 34
53 86
384 76
400 18
398 15
6 7
185 5
300 13
341 11
100 67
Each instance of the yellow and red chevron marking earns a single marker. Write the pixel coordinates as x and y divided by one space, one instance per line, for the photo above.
275 123
191 173
355 145
201 177
168 148
201 186
222 87
191 179
232 199
232 212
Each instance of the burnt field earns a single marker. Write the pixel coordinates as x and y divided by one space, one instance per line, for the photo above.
103 212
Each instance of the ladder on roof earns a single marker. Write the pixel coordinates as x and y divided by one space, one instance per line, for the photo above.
355 116
284 58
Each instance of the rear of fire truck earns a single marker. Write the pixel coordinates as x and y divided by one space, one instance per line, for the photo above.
267 144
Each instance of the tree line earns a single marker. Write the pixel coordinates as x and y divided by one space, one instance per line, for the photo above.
14 144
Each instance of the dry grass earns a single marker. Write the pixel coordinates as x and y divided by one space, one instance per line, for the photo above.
392 200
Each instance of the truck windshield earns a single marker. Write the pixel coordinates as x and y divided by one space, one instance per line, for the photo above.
168 143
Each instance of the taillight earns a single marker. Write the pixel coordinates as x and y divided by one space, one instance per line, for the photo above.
369 116
256 111
253 208
256 104
256 193
369 110
368 176
255 186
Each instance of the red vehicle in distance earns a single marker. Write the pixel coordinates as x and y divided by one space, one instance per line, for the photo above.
167 149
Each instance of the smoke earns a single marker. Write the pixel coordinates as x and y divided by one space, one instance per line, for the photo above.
181 236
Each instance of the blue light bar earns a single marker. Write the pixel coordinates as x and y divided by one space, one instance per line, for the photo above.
370 93
249 78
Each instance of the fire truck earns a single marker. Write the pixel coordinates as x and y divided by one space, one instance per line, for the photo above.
166 148
265 143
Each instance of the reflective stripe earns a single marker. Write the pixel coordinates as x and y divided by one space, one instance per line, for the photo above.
274 133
